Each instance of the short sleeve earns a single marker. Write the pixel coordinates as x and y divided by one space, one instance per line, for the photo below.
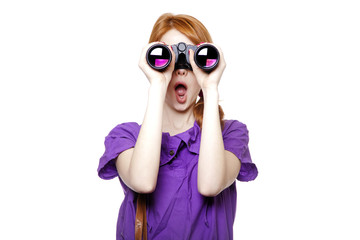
236 139
120 138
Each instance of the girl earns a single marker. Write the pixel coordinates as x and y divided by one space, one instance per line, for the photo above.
178 168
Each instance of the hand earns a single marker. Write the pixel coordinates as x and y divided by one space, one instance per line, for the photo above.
208 80
153 75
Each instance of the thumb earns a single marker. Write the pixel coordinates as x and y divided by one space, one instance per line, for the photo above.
194 66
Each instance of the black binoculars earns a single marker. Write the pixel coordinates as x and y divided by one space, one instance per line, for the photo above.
206 56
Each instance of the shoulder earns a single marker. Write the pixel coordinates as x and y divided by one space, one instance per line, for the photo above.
234 125
128 128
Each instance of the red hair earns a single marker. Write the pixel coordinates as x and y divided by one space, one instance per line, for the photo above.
197 33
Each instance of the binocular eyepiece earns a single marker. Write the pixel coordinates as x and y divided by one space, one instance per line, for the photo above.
206 56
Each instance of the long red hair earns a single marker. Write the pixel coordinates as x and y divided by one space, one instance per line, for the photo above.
197 33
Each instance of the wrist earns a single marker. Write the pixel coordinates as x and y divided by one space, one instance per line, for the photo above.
158 84
157 89
211 91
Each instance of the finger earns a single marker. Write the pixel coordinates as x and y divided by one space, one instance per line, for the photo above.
169 70
221 55
194 66
201 43
172 64
142 60
199 74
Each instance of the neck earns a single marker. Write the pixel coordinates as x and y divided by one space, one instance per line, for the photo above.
175 122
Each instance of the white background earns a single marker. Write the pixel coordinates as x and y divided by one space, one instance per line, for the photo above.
69 74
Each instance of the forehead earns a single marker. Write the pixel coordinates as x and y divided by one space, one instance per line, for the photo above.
173 36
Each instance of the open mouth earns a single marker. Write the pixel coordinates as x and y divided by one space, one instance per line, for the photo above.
180 92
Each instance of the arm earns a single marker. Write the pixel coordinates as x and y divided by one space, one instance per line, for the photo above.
138 167
217 168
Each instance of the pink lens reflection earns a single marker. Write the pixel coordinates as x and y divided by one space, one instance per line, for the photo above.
161 62
210 62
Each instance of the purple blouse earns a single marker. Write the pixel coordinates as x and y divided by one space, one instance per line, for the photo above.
176 210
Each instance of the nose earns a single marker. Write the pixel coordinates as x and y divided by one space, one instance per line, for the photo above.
181 72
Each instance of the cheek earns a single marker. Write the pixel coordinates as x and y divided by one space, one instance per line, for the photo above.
193 81
195 89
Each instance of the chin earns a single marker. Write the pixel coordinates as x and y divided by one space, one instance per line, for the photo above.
181 107
184 107
178 106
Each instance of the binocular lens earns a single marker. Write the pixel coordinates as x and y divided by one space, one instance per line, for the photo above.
207 57
158 56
